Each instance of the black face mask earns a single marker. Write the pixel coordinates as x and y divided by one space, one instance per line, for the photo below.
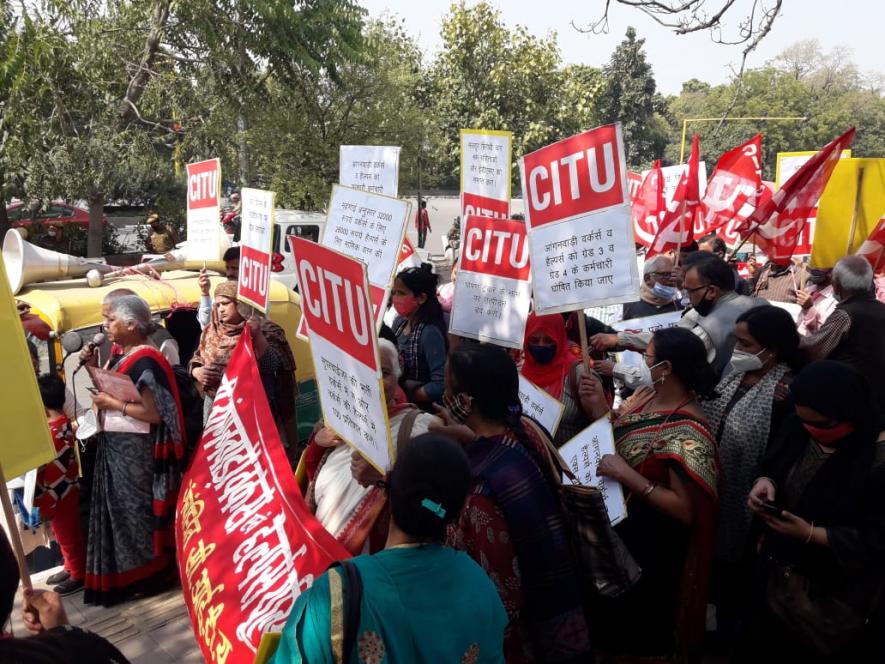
704 307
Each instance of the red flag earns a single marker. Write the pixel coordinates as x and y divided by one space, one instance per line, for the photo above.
648 205
873 248
777 224
734 190
246 543
677 226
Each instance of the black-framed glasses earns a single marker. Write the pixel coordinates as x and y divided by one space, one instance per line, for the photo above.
697 288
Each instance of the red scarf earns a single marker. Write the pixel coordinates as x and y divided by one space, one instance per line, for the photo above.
551 376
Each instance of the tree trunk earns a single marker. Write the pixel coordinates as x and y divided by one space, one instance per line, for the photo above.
4 219
243 151
96 230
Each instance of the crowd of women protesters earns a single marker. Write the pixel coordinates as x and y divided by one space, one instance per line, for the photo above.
752 459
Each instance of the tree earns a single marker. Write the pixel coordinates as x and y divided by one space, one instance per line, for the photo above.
108 84
490 76
629 96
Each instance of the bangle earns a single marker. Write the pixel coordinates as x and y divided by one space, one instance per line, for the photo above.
125 404
810 533
651 486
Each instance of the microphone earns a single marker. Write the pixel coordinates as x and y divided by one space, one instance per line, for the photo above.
97 341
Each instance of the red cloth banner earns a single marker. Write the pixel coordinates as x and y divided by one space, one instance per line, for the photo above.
246 543
677 227
776 225
733 192
873 248
648 205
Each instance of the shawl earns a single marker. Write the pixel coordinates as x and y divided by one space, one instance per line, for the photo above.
550 376
219 339
648 442
742 428
647 294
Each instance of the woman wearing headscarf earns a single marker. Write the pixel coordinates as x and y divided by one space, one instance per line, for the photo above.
667 464
551 363
750 404
821 497
137 472
417 600
513 523
276 364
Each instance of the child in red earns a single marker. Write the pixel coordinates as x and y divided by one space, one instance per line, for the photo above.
58 490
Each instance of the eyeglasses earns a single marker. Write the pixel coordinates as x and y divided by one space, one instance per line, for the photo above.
648 357
668 275
692 290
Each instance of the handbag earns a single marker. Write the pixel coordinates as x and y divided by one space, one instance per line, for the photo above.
826 623
605 566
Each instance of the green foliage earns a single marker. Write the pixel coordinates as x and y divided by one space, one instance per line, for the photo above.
629 95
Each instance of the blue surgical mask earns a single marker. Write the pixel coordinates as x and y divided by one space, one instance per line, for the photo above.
542 354
665 292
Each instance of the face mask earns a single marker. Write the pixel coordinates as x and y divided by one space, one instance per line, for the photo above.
665 292
704 307
405 305
829 435
51 232
542 354
458 406
644 379
445 296
744 361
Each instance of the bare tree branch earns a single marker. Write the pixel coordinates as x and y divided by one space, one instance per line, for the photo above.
142 74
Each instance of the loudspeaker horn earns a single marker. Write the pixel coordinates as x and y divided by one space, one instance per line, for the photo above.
27 263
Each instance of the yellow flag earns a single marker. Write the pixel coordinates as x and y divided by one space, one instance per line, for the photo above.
26 442
841 206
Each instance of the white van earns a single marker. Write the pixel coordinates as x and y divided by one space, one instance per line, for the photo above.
308 225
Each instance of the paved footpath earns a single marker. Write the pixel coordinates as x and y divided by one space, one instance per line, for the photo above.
154 630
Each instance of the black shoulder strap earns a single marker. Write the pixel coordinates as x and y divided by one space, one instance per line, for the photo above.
353 597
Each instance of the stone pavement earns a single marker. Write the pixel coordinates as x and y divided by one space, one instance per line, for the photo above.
154 630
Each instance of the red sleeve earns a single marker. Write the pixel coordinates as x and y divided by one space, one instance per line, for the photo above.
481 532
313 454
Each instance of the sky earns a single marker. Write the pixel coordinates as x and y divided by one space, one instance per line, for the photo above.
856 24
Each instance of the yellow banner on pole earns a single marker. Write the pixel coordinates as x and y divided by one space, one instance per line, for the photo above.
848 210
26 440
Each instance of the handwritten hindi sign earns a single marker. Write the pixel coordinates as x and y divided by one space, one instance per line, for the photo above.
580 223
253 284
539 405
335 298
645 324
204 210
582 454
493 290
373 168
246 543
485 173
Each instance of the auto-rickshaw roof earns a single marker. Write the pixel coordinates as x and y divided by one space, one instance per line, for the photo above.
71 304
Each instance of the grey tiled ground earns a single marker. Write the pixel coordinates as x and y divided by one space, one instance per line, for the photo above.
154 630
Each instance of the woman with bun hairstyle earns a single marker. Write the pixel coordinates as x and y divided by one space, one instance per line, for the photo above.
415 601
667 463
512 523
420 331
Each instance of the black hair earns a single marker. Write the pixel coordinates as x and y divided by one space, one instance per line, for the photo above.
773 328
717 242
386 333
9 578
52 391
423 204
687 356
519 216
428 485
422 280
716 272
231 254
690 249
487 373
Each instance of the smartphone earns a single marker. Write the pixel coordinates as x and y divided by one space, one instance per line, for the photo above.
772 508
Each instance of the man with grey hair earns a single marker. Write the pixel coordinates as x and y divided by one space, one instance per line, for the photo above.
657 293
855 331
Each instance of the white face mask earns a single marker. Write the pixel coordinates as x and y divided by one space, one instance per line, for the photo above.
644 378
665 292
742 361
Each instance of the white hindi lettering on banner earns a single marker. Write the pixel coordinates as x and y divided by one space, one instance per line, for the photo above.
539 405
372 168
582 454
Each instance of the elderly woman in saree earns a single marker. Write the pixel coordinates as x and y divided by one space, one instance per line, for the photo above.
137 471
343 491
276 364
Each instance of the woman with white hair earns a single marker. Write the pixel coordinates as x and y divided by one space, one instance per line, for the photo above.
138 466
344 491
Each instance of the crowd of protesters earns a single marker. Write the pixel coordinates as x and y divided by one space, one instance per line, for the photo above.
750 446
